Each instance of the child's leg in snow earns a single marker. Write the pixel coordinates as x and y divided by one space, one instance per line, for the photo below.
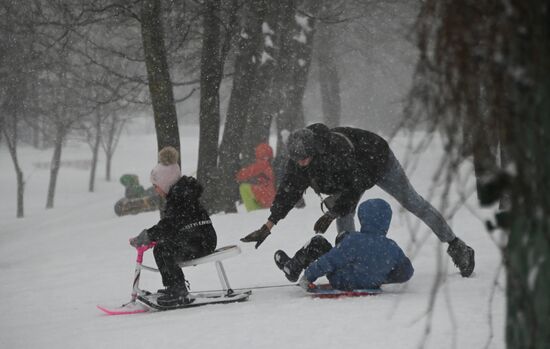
167 255
248 198
396 183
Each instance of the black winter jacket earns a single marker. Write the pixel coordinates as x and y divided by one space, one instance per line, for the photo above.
185 220
337 168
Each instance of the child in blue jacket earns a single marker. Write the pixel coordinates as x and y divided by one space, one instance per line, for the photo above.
361 260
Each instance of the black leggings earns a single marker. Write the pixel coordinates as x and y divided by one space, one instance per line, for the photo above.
168 254
315 248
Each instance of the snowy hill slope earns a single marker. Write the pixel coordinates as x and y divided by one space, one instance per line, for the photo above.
57 264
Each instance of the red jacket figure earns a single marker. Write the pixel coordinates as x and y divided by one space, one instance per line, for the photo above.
260 176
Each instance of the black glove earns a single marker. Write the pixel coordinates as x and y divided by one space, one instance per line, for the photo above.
141 239
323 223
259 236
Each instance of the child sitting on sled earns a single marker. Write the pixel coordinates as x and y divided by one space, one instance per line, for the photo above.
365 259
184 232
257 180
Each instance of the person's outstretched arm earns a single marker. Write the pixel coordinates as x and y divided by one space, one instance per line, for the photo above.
295 182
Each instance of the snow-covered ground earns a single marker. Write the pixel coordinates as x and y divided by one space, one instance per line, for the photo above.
57 264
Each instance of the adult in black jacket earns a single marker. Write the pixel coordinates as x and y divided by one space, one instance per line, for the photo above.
184 232
343 162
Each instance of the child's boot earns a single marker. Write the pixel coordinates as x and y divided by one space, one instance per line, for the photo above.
174 295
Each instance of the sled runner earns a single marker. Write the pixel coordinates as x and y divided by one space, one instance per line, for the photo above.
326 291
142 301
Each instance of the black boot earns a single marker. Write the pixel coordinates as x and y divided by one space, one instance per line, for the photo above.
163 290
462 256
291 267
281 258
175 295
166 289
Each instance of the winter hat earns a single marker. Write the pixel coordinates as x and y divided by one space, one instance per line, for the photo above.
301 144
374 216
167 172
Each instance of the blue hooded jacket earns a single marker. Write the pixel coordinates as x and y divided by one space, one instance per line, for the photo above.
365 259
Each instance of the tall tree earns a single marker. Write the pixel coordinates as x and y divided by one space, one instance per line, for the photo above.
211 75
9 129
158 74
502 48
295 42
62 107
243 78
259 117
329 79
18 65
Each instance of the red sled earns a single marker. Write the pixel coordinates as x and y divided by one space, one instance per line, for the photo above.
326 291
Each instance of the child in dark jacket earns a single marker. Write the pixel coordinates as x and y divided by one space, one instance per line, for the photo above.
257 180
184 232
361 260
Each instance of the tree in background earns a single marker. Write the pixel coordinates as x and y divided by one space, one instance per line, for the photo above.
110 137
219 27
487 65
258 118
211 75
329 78
273 54
19 65
244 73
295 43
62 106
160 84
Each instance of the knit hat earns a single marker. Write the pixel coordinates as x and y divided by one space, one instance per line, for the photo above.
301 144
167 172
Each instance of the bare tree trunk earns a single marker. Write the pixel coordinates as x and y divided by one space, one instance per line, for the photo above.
95 151
258 119
108 161
10 134
231 144
329 80
282 94
211 73
295 43
158 74
528 250
109 142
13 103
517 83
2 125
55 165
